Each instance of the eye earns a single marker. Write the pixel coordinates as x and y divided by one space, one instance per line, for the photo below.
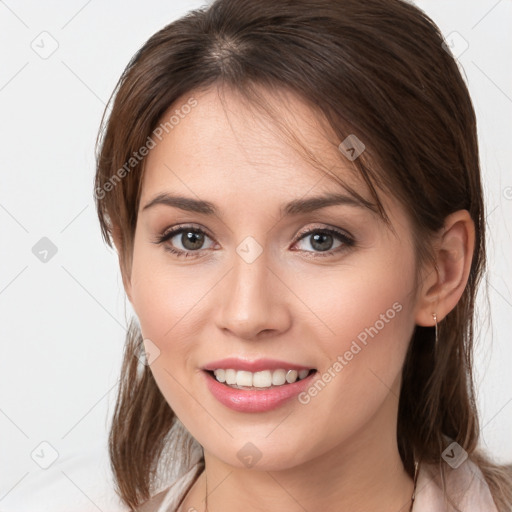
191 240
322 240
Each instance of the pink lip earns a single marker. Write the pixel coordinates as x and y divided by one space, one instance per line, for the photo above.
257 365
245 400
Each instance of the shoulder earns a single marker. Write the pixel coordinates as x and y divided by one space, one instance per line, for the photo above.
153 504
464 488
169 499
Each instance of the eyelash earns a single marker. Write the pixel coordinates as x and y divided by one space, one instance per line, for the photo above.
167 235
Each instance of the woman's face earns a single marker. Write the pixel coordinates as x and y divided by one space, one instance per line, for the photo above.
271 281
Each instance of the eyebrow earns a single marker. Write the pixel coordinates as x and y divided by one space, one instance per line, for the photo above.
295 207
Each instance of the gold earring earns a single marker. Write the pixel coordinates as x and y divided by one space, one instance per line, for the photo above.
436 336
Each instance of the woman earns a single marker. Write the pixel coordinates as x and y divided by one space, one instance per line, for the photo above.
294 193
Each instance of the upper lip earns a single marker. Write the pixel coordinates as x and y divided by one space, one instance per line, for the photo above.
256 365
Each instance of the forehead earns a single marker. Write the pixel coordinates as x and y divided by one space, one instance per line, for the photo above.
233 155
224 142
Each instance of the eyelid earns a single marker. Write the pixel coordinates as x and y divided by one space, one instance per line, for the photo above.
190 226
326 228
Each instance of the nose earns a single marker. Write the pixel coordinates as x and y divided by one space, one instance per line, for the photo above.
253 301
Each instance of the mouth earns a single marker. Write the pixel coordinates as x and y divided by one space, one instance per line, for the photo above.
256 386
260 380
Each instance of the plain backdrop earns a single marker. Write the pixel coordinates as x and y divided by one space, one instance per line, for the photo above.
63 308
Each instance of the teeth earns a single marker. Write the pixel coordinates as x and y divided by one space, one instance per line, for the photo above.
278 377
230 376
291 376
262 379
303 373
243 378
220 375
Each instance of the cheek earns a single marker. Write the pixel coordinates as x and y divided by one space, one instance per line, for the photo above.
170 312
166 297
370 300
370 315
171 305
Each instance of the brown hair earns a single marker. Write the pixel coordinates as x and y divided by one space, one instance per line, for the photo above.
376 69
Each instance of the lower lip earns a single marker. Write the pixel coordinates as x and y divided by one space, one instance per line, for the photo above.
245 400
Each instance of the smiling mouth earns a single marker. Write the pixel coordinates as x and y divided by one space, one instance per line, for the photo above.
262 380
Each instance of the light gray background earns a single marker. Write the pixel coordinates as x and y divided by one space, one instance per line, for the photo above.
62 322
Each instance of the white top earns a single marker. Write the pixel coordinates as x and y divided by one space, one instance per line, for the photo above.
466 486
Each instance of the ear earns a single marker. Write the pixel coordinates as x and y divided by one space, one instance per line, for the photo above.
444 283
117 237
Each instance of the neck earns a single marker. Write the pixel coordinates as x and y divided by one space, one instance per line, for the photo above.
363 473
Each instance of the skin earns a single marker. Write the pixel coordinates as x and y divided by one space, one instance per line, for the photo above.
339 451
